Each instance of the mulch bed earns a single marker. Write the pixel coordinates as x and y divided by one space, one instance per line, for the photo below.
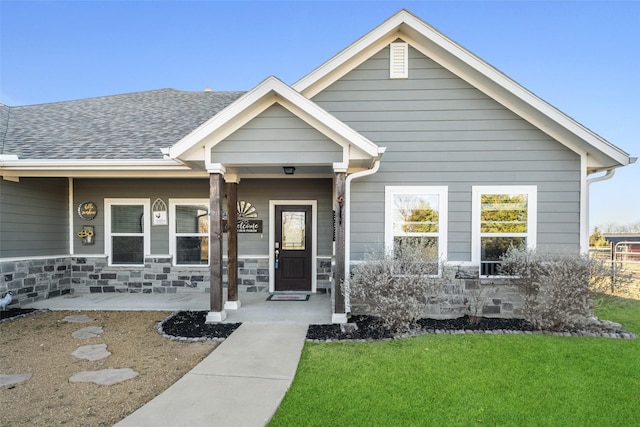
191 326
14 313
368 328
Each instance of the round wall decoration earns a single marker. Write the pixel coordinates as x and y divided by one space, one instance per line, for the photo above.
87 210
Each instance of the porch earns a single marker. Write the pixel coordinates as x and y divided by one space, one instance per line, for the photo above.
255 307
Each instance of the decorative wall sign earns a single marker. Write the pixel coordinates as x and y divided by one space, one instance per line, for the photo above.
246 210
87 210
159 216
87 235
251 226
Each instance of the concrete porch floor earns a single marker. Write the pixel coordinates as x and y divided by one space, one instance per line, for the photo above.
254 306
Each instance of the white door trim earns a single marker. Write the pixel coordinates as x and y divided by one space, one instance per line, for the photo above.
314 238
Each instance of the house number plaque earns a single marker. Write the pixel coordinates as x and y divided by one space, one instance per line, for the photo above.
87 210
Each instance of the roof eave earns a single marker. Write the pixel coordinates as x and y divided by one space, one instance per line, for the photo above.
12 168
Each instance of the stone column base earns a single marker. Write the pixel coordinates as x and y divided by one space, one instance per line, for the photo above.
339 318
232 305
216 316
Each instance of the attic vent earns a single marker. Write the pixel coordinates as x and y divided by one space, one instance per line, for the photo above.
399 60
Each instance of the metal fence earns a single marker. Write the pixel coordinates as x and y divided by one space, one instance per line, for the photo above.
625 265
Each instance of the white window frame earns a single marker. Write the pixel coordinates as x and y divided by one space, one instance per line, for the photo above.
443 215
146 230
173 235
532 216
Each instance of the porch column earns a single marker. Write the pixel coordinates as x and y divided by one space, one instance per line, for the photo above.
232 244
339 313
216 194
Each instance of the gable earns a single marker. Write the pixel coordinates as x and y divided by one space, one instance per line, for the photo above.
199 150
276 136
598 154
432 105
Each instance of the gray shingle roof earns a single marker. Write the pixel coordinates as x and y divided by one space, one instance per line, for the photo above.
129 126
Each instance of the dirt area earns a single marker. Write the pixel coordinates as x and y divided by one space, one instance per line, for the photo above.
42 344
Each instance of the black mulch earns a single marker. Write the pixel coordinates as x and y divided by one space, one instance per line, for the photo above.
12 313
368 328
191 324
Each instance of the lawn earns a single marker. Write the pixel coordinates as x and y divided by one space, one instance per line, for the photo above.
465 380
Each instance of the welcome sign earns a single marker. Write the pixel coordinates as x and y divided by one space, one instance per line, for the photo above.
251 226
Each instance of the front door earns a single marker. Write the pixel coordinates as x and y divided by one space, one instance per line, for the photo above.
293 247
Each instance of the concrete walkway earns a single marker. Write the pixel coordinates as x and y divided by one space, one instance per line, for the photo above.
241 383
254 306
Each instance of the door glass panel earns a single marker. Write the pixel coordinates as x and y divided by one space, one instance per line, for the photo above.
293 231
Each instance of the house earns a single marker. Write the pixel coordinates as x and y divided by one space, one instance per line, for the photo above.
132 193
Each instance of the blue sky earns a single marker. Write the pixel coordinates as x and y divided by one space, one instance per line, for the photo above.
583 57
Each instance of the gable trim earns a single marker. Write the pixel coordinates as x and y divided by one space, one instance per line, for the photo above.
256 101
469 67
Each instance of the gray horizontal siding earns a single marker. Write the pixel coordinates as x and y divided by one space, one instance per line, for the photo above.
439 130
276 136
96 190
258 192
33 217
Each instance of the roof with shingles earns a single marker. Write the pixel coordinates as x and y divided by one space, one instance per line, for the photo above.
129 126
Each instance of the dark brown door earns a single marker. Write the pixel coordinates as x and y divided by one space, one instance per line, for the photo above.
293 248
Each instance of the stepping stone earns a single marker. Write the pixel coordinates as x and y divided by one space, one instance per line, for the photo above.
92 352
88 332
104 376
13 379
78 318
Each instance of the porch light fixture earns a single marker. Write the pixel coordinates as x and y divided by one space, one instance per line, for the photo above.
289 170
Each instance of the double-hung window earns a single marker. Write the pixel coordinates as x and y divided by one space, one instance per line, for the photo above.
417 214
189 231
503 216
127 238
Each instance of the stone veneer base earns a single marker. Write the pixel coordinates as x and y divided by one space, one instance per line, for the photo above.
40 278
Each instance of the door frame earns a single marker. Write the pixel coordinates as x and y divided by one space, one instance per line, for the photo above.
314 237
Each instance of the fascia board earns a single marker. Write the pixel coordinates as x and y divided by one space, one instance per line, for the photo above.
353 55
505 90
94 168
88 164
228 115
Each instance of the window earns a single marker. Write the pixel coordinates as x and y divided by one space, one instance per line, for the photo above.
417 213
503 216
189 231
126 226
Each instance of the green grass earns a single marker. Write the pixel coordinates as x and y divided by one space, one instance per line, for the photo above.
466 380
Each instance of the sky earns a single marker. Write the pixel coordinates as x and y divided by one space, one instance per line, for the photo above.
583 57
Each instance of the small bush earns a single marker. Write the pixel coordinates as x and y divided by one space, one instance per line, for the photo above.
557 287
395 286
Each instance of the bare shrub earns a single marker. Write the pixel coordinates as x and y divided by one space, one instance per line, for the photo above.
396 286
474 301
557 287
